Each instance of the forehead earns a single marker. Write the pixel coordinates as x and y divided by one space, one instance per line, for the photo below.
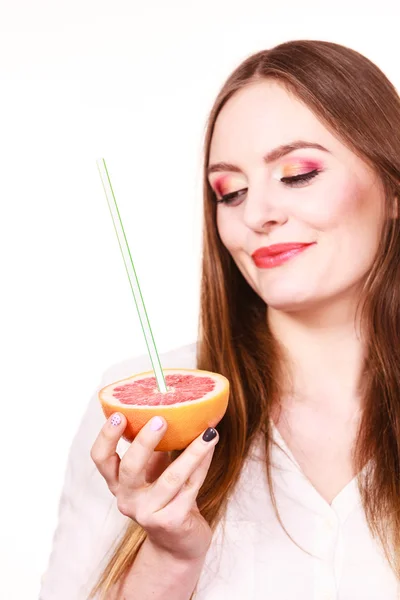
260 117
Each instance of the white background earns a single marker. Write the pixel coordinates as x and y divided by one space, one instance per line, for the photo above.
133 82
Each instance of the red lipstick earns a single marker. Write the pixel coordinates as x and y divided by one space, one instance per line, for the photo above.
277 254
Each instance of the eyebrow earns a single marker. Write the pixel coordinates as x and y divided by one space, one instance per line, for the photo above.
272 156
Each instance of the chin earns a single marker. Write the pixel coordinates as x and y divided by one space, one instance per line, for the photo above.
290 300
290 305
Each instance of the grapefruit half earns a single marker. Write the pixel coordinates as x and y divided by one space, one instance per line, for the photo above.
194 401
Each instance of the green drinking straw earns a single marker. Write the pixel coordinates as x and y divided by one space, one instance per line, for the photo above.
133 280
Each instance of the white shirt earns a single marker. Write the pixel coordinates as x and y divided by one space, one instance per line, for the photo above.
251 557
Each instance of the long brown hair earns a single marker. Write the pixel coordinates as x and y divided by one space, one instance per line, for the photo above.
355 100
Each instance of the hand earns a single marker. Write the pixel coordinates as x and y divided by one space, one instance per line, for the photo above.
158 494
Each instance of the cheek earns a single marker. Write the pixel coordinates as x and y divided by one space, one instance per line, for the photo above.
350 223
346 207
230 229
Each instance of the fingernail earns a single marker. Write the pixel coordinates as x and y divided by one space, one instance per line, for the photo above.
115 420
156 423
209 434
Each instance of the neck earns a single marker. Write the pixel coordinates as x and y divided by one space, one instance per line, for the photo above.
324 353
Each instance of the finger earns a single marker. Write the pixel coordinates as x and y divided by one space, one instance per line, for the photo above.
132 470
180 471
183 502
192 486
104 450
157 465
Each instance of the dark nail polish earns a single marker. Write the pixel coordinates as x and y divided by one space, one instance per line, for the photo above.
209 434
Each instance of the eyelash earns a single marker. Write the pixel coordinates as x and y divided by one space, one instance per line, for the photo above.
289 181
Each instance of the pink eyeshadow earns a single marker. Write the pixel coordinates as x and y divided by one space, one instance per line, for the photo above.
229 183
300 166
309 164
218 184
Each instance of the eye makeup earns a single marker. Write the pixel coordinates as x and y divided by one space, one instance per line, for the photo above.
292 173
228 183
297 167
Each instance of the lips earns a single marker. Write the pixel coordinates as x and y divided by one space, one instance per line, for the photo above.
275 255
277 249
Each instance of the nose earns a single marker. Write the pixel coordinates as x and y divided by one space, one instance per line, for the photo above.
261 211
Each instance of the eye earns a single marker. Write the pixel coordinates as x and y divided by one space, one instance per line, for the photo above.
230 198
295 181
298 180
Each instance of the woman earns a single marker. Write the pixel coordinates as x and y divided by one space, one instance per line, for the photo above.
298 496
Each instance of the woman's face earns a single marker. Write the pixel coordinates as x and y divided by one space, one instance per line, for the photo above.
338 209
